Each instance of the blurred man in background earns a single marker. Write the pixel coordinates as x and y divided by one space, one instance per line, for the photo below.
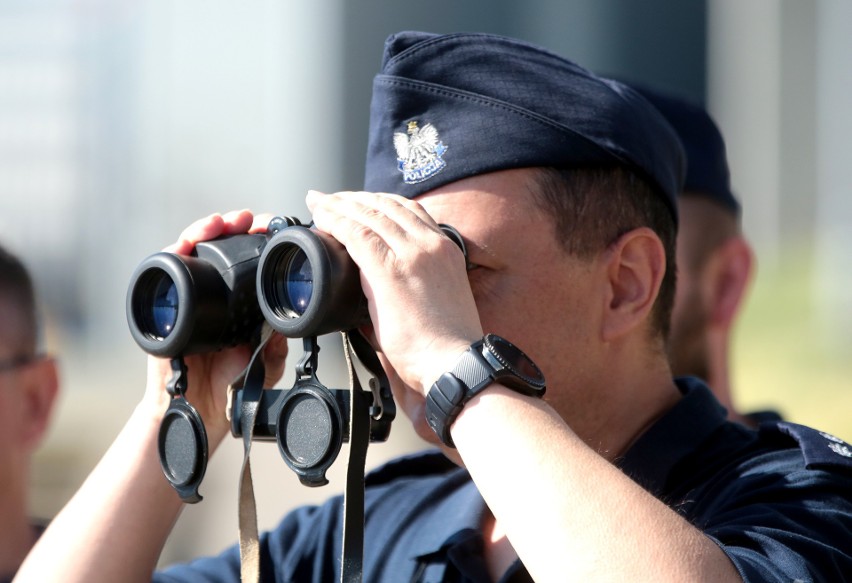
28 388
715 262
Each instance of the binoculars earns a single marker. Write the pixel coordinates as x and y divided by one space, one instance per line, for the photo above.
300 281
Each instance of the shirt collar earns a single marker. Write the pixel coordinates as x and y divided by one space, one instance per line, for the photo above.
651 459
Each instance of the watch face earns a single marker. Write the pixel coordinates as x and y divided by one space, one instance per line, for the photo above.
514 359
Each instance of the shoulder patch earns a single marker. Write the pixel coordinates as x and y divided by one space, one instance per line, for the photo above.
427 463
821 450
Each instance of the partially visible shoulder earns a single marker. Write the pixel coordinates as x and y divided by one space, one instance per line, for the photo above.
820 450
417 465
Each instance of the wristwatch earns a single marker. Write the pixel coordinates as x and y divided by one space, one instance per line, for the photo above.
490 360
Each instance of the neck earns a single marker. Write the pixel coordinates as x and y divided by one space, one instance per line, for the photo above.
16 535
718 374
622 404
16 539
641 413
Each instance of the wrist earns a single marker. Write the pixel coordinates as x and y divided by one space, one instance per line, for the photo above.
485 362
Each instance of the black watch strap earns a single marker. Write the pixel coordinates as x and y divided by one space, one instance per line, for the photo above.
452 390
472 373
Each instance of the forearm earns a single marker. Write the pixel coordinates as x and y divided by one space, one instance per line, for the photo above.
568 512
114 528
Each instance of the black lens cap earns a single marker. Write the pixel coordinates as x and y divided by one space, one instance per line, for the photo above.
182 445
310 432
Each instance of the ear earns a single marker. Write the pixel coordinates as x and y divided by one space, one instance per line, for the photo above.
726 280
40 386
635 269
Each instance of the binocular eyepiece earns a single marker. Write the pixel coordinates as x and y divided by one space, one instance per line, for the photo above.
179 305
307 285
300 280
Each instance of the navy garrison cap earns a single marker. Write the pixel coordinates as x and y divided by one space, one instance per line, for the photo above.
707 163
447 107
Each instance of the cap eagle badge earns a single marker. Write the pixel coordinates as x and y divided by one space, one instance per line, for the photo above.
837 445
419 152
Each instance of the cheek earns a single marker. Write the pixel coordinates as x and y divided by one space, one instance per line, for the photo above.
685 295
546 317
688 314
11 415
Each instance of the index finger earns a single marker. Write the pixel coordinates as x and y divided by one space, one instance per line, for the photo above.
260 223
210 227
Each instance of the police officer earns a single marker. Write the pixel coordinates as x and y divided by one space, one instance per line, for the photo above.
715 261
564 187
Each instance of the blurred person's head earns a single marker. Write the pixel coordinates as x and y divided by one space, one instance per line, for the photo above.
28 388
714 260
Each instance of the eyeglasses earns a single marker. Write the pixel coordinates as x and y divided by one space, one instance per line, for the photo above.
17 362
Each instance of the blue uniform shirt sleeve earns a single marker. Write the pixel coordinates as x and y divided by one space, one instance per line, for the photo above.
781 525
777 501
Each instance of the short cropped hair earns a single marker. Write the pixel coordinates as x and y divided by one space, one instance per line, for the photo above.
593 207
17 292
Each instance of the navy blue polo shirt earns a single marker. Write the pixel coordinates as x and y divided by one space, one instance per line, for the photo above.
778 501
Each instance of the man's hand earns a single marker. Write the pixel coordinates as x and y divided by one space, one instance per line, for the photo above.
414 277
210 374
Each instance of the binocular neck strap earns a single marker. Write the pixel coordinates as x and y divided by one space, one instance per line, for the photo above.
352 558
253 378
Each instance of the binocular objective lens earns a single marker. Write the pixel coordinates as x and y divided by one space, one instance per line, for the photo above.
297 283
164 306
